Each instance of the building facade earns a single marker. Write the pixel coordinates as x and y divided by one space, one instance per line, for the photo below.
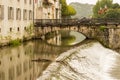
47 9
16 19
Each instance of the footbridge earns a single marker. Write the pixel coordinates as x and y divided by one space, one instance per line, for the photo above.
107 31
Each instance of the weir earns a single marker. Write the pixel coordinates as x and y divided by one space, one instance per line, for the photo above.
90 61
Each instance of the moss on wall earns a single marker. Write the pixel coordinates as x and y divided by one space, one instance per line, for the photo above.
15 42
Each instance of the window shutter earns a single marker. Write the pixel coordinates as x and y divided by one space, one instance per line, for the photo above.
8 13
2 12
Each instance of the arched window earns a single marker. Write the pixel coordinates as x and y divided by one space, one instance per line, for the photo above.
1 12
10 13
18 14
25 14
30 15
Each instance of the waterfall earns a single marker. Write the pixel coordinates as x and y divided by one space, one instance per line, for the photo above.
89 61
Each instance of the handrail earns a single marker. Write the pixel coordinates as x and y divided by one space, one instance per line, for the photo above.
52 22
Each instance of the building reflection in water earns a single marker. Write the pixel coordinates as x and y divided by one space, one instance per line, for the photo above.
16 62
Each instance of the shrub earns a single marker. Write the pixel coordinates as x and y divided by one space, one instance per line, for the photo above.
102 28
15 42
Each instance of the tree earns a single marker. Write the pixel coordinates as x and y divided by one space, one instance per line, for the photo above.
63 8
67 10
101 8
71 11
113 13
115 5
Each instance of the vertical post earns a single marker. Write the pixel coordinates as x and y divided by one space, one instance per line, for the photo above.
33 38
34 20
33 13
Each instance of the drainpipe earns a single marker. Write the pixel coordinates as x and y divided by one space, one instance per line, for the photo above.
33 20
33 12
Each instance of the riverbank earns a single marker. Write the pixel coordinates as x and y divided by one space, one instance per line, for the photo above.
89 61
15 42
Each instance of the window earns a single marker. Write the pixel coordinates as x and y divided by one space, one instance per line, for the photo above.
18 29
30 15
10 13
25 66
18 14
40 3
30 1
10 58
11 73
2 76
1 12
25 14
25 28
10 29
19 69
25 1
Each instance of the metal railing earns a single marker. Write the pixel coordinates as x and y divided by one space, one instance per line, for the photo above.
70 22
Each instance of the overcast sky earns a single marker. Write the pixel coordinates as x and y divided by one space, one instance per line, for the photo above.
89 1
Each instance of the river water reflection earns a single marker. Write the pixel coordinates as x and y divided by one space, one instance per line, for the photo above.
27 61
65 38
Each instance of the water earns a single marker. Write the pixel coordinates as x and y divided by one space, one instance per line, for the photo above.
66 38
90 61
27 61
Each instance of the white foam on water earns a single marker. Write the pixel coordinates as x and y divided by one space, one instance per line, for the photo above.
93 62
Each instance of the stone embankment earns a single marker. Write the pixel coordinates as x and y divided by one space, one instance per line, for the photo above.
90 61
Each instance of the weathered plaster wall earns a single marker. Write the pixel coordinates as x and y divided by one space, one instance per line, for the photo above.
11 29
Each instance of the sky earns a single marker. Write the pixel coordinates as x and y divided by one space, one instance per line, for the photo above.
89 1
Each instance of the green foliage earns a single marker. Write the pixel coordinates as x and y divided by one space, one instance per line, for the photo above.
101 7
15 42
64 7
95 9
67 10
82 10
115 6
113 13
50 35
68 40
71 10
102 28
29 28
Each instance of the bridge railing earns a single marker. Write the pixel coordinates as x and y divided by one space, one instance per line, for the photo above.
83 21
106 21
55 21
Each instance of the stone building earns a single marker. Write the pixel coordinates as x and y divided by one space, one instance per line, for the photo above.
16 19
47 9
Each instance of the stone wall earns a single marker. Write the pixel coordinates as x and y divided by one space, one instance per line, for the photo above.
109 36
114 37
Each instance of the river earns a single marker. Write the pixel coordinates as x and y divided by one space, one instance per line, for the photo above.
30 60
27 61
90 61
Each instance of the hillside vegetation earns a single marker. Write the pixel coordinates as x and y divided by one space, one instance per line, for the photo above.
83 10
